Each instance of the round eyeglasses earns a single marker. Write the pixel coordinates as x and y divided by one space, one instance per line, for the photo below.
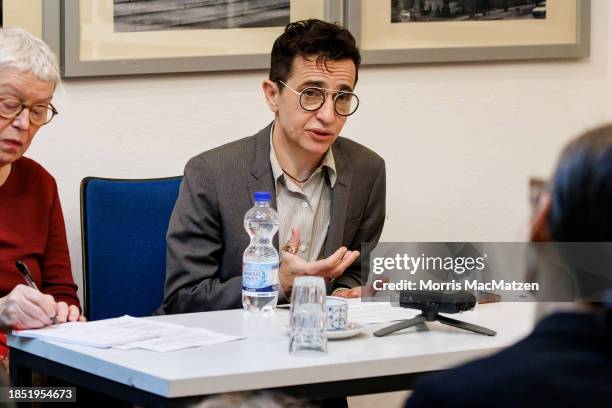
40 114
312 98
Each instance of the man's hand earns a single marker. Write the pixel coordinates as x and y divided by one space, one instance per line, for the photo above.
350 293
367 291
26 308
329 268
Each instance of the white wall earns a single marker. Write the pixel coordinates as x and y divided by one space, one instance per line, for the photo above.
460 140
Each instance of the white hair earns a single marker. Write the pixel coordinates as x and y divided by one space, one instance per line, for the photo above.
21 51
258 399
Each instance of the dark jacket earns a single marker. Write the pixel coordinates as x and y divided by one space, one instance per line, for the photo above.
565 362
206 236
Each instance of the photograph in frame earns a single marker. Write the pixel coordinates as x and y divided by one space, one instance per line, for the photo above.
160 15
426 11
92 46
564 32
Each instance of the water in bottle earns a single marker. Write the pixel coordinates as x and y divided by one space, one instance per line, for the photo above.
260 259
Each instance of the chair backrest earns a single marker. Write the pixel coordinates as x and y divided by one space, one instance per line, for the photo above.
124 224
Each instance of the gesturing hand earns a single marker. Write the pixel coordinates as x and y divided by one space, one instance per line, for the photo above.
329 268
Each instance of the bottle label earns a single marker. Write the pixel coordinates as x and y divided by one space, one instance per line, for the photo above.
259 279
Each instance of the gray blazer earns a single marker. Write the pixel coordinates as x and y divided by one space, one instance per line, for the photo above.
206 236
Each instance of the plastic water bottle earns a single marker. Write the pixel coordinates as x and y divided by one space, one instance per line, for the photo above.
260 259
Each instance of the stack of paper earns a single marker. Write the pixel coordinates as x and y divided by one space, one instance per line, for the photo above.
94 334
170 337
126 333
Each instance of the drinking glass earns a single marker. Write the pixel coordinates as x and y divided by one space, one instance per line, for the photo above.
308 316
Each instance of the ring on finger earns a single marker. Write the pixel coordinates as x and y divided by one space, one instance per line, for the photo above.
292 249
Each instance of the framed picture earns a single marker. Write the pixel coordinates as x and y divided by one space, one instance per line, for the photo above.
421 31
118 37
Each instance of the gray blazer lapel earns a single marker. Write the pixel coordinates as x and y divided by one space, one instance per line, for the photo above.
339 203
261 170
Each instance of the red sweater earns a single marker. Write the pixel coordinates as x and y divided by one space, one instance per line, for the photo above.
32 230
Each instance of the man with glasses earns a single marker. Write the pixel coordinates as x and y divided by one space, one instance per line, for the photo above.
329 191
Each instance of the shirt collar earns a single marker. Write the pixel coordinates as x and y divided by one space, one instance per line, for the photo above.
328 163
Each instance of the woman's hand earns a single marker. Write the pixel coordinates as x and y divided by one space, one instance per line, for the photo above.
67 313
26 308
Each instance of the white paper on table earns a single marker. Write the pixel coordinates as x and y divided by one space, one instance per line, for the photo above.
156 328
170 337
377 312
92 334
180 339
128 333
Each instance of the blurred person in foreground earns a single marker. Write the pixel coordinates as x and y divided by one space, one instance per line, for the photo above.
567 360
31 222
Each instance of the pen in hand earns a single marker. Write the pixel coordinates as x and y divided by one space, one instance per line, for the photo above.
25 272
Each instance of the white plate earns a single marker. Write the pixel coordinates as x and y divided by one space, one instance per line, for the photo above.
352 329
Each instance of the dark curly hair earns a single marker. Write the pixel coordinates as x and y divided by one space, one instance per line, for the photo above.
312 38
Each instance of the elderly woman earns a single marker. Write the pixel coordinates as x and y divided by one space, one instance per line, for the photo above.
31 221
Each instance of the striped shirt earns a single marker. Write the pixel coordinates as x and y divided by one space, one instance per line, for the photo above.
306 208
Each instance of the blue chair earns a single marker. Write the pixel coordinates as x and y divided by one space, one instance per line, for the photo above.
123 225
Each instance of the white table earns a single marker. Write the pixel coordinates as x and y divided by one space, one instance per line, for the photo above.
364 364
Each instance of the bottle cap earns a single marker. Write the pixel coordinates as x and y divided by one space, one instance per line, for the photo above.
262 196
